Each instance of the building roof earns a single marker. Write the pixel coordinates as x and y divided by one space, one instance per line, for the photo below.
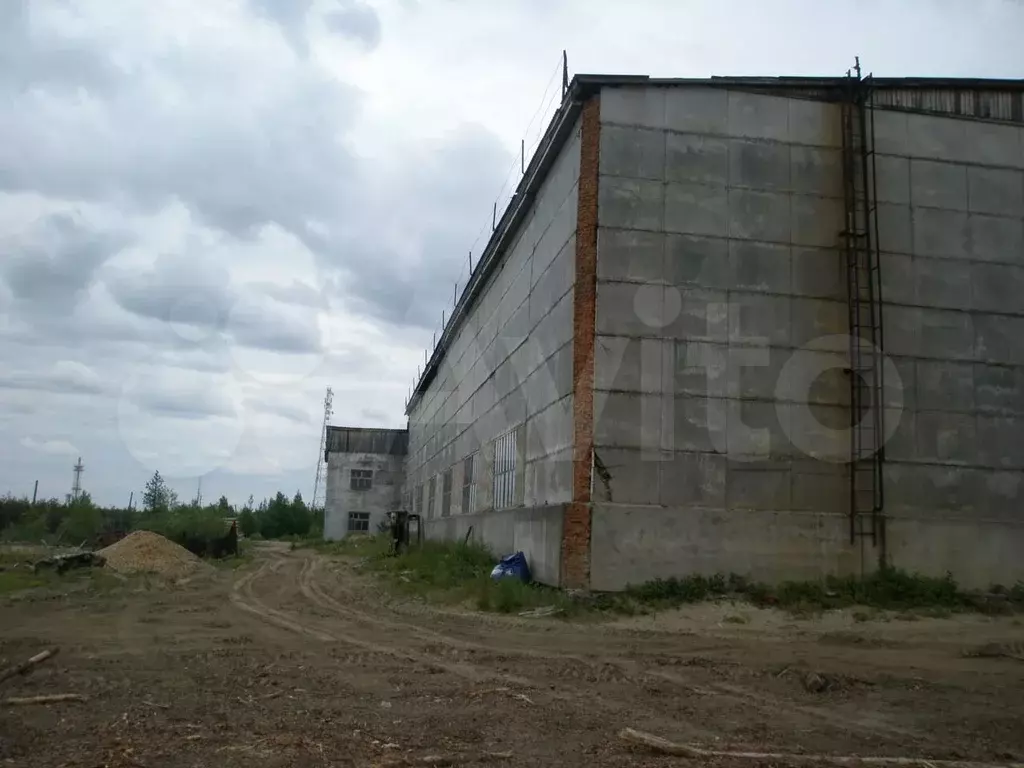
393 442
973 98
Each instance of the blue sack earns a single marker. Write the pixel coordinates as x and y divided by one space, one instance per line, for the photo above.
512 566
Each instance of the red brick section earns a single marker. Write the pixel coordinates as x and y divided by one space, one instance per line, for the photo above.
576 525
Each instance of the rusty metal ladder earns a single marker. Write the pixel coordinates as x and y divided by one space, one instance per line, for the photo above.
863 285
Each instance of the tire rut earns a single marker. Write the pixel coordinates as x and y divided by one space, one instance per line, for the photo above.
374 636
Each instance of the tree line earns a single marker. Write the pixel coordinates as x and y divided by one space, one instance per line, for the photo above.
78 520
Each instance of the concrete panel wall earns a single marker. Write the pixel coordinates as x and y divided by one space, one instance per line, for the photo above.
722 407
718 269
953 284
509 367
384 495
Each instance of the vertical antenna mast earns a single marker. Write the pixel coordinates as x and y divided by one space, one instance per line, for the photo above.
320 486
76 486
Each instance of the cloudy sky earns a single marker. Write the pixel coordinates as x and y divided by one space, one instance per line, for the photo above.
212 209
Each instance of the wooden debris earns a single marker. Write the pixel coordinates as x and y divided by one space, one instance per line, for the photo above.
666 747
25 666
64 563
54 698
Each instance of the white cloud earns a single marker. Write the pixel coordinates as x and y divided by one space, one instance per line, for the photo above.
211 211
50 447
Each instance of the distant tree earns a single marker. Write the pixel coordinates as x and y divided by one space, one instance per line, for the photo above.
84 520
224 506
247 523
158 497
279 517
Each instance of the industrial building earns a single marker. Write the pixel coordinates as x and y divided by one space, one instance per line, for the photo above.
770 326
365 476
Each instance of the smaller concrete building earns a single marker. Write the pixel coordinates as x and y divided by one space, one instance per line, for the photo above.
365 476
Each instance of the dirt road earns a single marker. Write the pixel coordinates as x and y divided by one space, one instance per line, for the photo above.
300 660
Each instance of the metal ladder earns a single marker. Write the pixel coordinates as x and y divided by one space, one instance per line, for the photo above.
863 285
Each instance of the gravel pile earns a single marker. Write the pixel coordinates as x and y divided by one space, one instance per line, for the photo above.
147 552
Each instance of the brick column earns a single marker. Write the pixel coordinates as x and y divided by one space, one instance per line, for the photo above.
576 525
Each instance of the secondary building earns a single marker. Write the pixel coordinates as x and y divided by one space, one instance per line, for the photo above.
770 326
365 475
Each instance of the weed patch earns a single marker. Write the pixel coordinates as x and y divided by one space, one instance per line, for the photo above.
20 580
447 573
453 572
886 589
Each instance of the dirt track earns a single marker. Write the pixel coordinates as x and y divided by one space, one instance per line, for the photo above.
298 660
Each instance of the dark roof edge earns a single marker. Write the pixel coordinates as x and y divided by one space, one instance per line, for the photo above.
334 428
595 82
543 158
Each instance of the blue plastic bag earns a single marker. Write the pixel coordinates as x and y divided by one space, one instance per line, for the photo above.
512 566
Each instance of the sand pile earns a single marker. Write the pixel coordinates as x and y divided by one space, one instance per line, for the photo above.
147 552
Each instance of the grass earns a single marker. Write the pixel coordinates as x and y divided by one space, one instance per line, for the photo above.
244 557
446 573
452 572
20 580
735 619
85 579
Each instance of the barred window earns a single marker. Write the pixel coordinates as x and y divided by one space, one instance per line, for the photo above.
431 488
446 493
358 522
468 485
361 479
505 470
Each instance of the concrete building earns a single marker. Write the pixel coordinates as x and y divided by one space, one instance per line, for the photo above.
771 326
365 475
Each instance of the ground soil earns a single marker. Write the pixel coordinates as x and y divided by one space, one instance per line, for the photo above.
300 660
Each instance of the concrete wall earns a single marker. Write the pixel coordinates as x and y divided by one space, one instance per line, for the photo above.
536 531
717 260
510 367
721 409
951 195
385 494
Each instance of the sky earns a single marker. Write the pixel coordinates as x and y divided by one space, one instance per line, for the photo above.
211 211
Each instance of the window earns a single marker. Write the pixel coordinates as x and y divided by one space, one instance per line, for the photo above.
468 485
446 494
358 522
361 479
417 500
505 470
431 487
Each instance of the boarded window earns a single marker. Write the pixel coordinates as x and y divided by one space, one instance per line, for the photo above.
446 494
468 485
505 470
358 522
431 489
361 479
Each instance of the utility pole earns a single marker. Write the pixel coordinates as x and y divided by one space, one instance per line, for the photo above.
199 492
35 491
320 486
76 487
131 499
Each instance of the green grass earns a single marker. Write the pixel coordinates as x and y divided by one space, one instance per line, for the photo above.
20 580
78 580
452 572
886 589
447 573
244 557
